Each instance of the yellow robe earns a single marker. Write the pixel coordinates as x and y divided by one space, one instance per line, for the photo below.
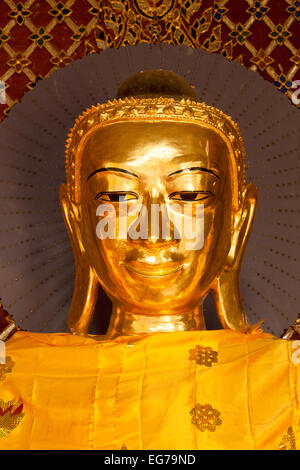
187 390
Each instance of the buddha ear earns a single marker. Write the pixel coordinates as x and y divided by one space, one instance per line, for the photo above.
226 288
85 292
242 226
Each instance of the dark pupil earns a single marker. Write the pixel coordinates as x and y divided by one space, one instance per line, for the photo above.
117 197
189 196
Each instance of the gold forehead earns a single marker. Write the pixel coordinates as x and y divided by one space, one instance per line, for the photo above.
152 110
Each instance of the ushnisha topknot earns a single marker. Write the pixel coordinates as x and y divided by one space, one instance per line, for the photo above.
157 83
155 95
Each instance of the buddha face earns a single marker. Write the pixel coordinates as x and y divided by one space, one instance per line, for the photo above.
135 165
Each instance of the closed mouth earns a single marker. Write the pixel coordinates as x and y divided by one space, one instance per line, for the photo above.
150 271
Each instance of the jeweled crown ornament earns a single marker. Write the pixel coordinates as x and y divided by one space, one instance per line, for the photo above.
171 100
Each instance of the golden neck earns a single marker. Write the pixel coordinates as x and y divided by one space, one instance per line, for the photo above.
127 323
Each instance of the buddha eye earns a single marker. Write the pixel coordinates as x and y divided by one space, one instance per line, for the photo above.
191 196
116 196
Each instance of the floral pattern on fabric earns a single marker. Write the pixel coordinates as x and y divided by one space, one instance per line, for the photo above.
205 417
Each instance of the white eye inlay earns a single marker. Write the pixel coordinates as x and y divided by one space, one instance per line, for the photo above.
116 196
190 196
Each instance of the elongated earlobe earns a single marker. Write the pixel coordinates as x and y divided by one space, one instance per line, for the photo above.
229 303
226 289
85 292
84 299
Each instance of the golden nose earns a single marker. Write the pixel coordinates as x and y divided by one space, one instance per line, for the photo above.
154 226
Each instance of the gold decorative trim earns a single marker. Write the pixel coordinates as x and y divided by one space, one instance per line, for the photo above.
7 325
6 368
153 109
288 441
10 416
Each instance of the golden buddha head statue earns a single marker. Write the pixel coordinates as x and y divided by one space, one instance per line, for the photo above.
157 208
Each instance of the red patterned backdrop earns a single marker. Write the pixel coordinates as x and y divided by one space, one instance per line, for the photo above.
38 36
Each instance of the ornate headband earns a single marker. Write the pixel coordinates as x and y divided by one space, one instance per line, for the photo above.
152 109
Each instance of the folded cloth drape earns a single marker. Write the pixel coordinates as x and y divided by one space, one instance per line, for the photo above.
185 390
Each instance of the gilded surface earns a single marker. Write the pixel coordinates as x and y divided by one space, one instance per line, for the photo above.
157 151
154 109
154 9
205 417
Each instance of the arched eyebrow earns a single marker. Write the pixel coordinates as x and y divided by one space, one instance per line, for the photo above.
111 168
194 168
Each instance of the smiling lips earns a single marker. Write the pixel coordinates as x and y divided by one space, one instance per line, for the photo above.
153 270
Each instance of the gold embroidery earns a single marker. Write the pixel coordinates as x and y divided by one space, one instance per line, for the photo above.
6 368
288 441
10 416
205 417
203 356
